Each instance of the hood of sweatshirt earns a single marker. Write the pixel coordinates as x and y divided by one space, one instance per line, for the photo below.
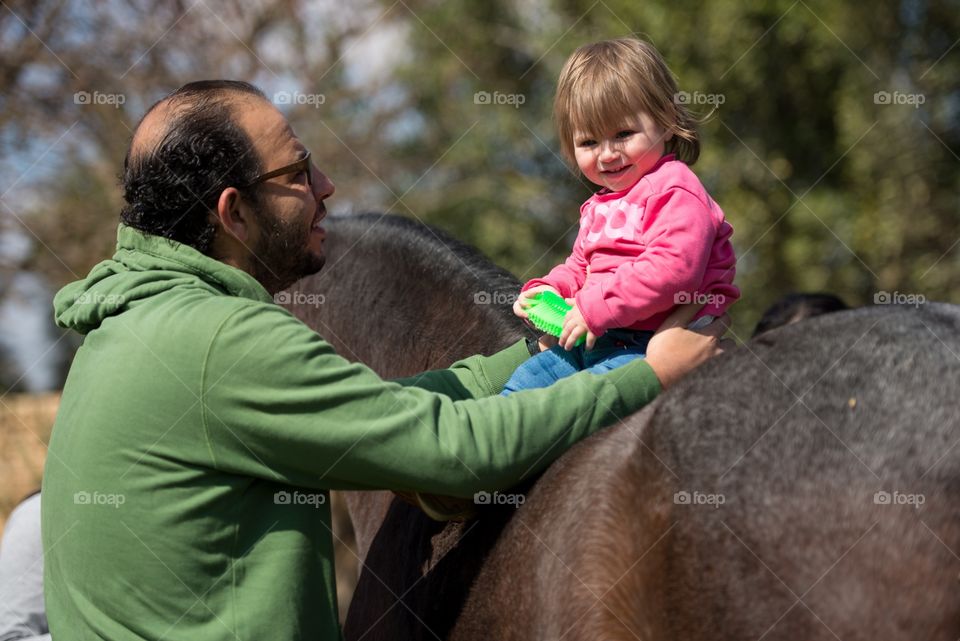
143 266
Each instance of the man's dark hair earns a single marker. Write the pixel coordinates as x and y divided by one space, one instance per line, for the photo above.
796 307
169 190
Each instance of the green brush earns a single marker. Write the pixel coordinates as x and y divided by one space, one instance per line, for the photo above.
546 311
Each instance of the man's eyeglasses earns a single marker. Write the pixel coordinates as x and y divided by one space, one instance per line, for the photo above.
301 165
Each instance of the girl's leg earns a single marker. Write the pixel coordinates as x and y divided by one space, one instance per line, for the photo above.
616 349
544 369
612 361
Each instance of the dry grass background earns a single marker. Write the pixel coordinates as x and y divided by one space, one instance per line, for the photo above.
25 423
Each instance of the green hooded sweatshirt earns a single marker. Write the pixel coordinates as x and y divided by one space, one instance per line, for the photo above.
201 427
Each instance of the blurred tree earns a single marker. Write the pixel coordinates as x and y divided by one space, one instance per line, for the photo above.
480 158
834 151
77 76
10 381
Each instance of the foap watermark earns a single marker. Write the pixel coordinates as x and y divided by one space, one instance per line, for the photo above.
498 498
498 98
899 98
684 497
99 298
494 298
313 499
698 298
98 498
898 298
699 98
98 98
299 298
298 98
898 498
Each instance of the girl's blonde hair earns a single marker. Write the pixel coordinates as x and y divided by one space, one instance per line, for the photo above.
607 83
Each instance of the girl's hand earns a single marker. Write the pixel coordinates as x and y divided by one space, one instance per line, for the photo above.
546 342
523 300
574 326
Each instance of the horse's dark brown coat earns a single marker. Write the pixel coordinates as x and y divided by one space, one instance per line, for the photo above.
797 432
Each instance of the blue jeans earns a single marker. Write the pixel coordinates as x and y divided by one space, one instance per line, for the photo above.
615 348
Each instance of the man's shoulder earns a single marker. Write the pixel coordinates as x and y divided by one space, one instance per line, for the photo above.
186 321
253 326
232 318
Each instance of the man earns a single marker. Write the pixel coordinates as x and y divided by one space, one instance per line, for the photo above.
201 426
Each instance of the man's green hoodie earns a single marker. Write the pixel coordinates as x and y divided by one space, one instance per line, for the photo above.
202 426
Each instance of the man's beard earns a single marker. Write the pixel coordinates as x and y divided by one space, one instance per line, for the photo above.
282 255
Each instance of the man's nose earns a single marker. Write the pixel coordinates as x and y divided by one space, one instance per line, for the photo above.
323 187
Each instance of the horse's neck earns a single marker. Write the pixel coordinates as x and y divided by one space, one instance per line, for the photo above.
402 309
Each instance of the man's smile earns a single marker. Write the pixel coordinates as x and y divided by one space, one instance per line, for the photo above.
316 227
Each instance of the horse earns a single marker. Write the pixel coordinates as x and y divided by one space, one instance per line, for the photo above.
802 485
415 316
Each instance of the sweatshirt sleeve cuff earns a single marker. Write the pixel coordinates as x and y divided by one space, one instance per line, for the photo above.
499 367
637 384
474 376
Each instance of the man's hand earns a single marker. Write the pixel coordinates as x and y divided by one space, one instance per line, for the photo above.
574 326
674 351
523 300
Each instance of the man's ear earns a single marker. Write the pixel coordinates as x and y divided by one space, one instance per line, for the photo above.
235 215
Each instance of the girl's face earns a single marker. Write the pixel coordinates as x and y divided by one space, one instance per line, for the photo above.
618 158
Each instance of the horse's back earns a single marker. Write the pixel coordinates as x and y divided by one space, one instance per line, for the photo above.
831 444
804 486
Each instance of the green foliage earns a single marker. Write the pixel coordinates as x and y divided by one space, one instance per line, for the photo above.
827 187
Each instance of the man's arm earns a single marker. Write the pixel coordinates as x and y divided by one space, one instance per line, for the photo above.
292 410
473 377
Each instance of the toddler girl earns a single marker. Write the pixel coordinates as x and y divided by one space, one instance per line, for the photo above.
652 237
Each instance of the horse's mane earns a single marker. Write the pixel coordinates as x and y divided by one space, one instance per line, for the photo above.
445 263
429 245
431 298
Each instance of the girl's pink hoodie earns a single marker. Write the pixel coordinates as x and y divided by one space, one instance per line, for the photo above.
644 250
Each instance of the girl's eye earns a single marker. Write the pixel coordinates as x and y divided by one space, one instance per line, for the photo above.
586 142
626 133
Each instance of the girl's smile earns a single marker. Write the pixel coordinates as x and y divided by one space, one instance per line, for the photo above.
618 158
